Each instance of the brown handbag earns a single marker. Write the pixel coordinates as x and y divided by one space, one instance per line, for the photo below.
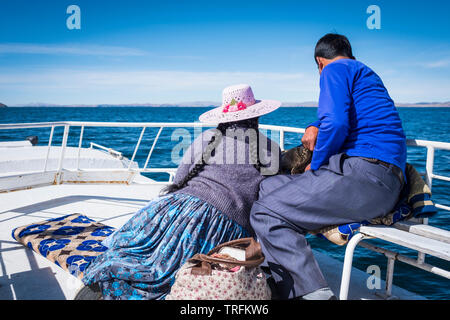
253 256
218 276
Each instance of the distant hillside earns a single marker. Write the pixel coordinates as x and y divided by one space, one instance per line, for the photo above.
424 104
299 104
3 105
180 104
398 105
211 104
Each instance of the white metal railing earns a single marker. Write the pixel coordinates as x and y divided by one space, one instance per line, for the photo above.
96 145
429 145
67 125
393 256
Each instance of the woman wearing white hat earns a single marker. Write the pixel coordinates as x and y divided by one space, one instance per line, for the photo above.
209 203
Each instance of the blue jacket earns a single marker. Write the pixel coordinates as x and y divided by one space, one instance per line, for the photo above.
357 116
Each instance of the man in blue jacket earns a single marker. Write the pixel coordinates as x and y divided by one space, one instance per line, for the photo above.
357 171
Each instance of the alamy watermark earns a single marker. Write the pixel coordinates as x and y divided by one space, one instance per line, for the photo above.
74 20
374 280
374 20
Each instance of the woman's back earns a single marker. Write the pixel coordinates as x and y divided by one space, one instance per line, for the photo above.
232 174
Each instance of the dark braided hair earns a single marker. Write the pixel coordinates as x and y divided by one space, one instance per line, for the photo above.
210 148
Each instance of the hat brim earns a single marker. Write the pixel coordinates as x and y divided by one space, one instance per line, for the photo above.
261 107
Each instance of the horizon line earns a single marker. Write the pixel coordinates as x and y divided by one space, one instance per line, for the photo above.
194 104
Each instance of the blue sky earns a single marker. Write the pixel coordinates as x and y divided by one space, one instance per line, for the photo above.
175 51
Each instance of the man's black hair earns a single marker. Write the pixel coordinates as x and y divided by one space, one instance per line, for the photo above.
332 45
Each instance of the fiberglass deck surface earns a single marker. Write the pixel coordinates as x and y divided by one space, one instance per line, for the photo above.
25 274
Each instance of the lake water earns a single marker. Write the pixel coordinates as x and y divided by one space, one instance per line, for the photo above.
419 123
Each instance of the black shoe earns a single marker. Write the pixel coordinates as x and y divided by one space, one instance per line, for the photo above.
91 292
330 298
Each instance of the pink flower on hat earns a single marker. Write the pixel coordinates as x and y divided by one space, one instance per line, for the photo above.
241 106
234 106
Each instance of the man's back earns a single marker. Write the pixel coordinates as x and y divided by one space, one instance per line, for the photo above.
357 116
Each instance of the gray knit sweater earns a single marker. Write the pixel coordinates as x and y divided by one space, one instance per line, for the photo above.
229 181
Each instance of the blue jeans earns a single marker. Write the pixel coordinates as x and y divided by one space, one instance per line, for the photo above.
343 191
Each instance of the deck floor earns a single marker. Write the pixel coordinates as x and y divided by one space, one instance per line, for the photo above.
27 275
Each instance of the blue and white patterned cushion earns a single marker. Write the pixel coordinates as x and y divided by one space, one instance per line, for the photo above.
71 241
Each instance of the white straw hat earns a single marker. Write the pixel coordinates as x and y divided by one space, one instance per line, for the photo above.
238 103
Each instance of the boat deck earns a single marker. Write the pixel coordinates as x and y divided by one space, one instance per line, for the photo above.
27 275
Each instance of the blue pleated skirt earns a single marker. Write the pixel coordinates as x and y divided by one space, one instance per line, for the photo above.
144 255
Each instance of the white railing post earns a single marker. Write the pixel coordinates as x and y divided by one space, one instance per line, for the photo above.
48 148
347 267
389 276
153 146
79 147
137 147
429 166
63 151
282 139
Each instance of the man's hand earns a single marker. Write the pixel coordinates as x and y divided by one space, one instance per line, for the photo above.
308 167
310 137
